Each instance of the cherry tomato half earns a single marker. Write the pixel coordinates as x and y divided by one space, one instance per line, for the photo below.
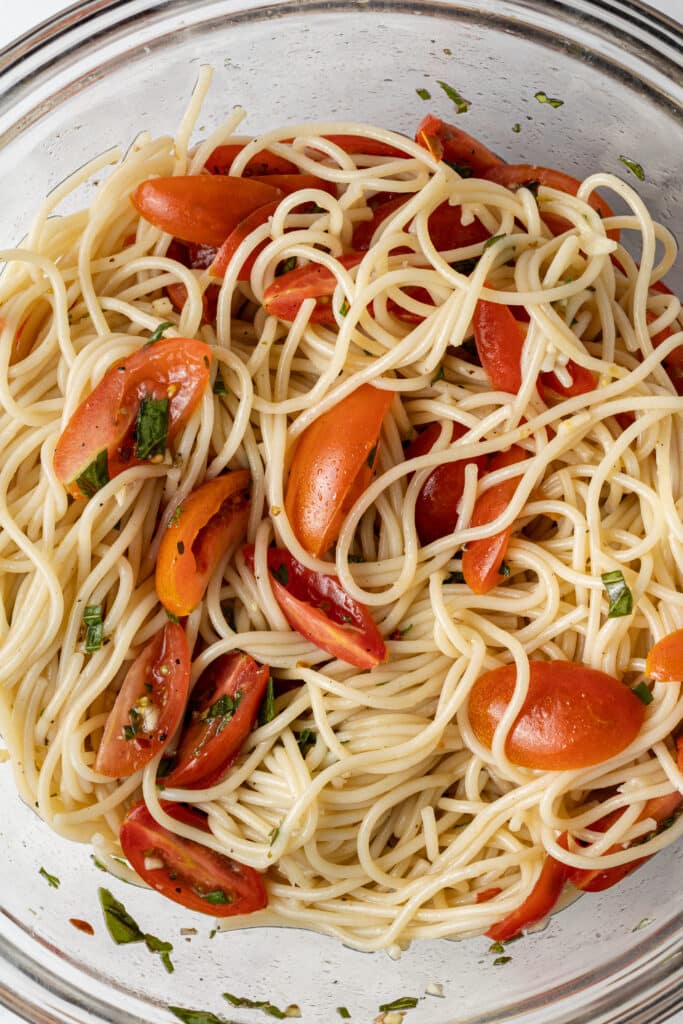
538 904
332 465
318 607
284 295
208 522
220 716
665 660
149 705
482 559
436 508
103 436
262 163
572 717
446 142
185 871
200 208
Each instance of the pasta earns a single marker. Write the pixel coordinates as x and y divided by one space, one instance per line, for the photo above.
370 799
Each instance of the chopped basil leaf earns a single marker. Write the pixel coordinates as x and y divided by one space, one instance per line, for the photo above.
500 960
219 387
306 739
92 614
344 308
644 923
224 707
159 333
634 167
51 880
165 765
496 947
151 428
492 240
461 104
439 375
132 730
404 632
462 169
217 897
424 94
120 925
94 637
544 98
642 692
196 1016
281 574
94 476
404 1003
620 597
455 577
355 559
273 834
465 266
98 863
155 945
290 263
516 127
504 569
371 456
175 518
267 710
255 1004
171 617
343 1012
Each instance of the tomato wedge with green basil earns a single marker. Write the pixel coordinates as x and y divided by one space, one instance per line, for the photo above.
332 465
283 296
134 412
572 717
185 871
221 714
318 607
261 163
482 559
436 508
203 527
446 142
201 208
149 706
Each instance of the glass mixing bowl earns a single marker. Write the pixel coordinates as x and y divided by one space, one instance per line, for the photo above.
95 77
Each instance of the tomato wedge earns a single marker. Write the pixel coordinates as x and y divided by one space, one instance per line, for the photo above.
220 716
333 464
482 559
538 904
200 208
436 508
185 871
665 660
445 226
208 522
318 607
149 705
121 423
229 247
283 297
573 716
261 163
513 176
446 142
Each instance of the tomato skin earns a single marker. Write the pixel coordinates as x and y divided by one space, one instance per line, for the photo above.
513 176
174 368
436 513
573 716
499 339
200 208
262 163
318 607
118 757
229 247
284 295
482 559
446 142
329 457
196 868
665 660
366 147
211 519
582 383
208 746
537 905
288 184
446 229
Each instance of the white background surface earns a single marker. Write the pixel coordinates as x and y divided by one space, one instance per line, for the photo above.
20 17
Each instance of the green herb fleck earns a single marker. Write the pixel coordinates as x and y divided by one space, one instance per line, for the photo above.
344 308
306 739
219 387
255 1004
424 94
355 559
461 104
634 167
620 597
120 925
159 333
175 518
217 897
343 1013
98 863
196 1016
404 632
132 730
151 428
492 240
290 263
281 574
439 375
516 127
404 1003
448 52
462 169
273 834
504 569
542 97
155 945
642 692
171 617
500 960
94 476
267 710
644 923
455 577
94 630
51 880
465 266
496 947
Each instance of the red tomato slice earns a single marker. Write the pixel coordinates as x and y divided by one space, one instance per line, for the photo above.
499 339
538 903
220 716
229 247
149 705
200 208
362 146
572 717
513 176
446 142
365 229
318 607
283 297
176 369
583 381
665 660
436 507
445 226
184 871
329 457
208 522
262 163
482 559
290 183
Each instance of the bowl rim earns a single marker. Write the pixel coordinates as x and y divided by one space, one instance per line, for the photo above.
653 989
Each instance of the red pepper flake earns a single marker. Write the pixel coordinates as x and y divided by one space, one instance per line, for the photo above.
83 926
